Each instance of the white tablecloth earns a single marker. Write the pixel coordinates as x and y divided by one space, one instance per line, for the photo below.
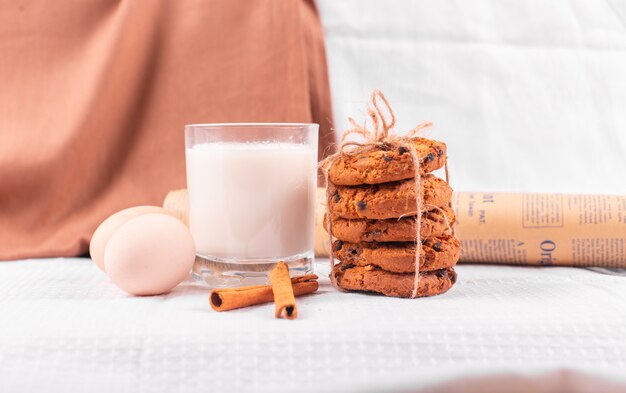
64 327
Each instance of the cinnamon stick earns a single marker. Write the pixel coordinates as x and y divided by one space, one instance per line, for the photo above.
232 298
284 299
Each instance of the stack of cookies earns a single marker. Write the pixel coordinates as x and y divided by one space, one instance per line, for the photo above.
373 217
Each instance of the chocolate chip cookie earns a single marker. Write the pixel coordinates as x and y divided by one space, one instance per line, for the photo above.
434 222
372 279
388 200
386 163
436 253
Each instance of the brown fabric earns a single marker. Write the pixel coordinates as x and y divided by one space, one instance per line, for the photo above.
95 95
555 382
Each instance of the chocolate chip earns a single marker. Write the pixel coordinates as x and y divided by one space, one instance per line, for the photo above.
430 157
387 158
373 233
353 251
440 152
345 266
361 205
336 197
437 246
338 245
402 150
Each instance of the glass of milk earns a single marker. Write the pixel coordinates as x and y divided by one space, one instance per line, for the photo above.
251 199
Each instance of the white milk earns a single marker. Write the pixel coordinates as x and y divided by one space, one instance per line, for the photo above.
251 200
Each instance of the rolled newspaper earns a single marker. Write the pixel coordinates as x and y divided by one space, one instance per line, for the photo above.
542 229
516 229
531 229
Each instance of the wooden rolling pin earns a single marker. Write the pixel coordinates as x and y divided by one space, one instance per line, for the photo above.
177 202
517 229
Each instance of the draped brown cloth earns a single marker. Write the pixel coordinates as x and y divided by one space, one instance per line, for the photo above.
94 96
561 381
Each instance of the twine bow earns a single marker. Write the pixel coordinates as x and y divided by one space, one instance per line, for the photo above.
381 135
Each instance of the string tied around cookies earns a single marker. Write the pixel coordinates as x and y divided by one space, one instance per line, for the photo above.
381 135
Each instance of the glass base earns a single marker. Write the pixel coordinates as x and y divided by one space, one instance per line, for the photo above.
229 272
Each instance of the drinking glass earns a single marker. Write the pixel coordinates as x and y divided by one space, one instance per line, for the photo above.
252 193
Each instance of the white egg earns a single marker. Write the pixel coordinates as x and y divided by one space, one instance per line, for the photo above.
149 254
102 235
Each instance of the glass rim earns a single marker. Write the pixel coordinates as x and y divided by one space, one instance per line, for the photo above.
226 125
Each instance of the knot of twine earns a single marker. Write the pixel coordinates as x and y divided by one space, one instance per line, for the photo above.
382 135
